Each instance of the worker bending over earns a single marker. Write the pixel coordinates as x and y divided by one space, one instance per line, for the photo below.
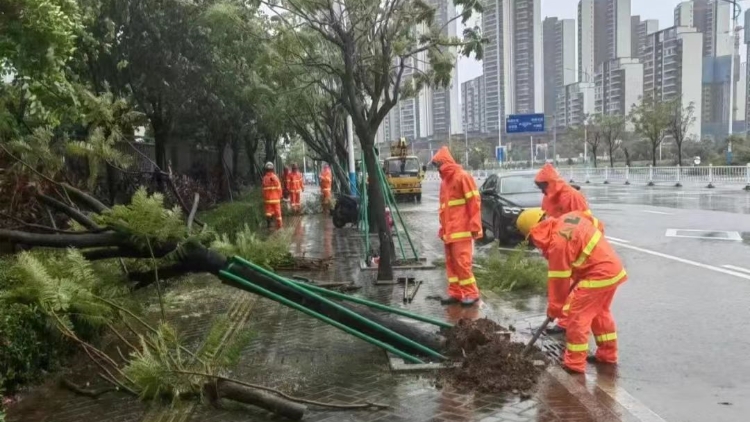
295 184
460 224
578 254
272 193
560 198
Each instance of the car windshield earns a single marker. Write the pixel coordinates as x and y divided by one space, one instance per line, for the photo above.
403 166
518 184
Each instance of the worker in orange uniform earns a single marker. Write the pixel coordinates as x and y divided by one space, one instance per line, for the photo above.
560 198
578 252
272 193
285 177
326 180
295 184
460 224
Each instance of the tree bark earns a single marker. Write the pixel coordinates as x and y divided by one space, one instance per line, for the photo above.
377 210
654 147
222 389
679 153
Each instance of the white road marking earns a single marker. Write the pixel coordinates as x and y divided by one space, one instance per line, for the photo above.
731 235
657 212
618 240
732 267
684 261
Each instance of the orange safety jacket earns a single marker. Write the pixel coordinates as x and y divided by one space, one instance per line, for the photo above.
294 182
577 252
326 180
460 204
560 198
272 192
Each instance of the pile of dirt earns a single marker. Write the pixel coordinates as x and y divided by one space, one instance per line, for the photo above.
489 362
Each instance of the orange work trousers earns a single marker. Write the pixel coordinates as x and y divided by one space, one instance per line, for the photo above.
590 311
562 322
295 199
325 195
274 211
458 265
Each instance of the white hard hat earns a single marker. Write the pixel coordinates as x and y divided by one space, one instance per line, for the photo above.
269 166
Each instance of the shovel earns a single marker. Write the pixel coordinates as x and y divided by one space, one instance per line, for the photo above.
536 336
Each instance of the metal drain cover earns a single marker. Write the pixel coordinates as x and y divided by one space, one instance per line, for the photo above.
705 234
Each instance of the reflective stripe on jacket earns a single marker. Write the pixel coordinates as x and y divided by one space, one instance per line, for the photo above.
577 251
294 182
271 188
460 203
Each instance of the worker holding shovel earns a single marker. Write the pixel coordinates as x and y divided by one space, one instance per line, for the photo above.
559 199
460 224
578 255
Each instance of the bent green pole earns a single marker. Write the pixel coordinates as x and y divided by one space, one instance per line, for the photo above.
371 324
374 305
278 298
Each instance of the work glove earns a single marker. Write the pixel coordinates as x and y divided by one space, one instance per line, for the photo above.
554 312
441 233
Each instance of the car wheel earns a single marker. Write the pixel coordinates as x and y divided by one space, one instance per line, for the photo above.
500 234
419 198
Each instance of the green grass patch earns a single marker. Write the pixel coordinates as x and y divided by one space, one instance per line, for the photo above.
517 271
230 218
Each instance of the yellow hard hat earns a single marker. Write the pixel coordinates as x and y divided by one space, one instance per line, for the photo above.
528 219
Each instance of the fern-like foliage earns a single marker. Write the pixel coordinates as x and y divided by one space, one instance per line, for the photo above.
220 351
38 151
146 220
63 287
270 253
155 368
100 149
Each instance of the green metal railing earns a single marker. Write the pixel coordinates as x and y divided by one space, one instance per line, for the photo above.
317 294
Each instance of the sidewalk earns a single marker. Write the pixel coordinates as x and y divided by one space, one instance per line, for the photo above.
312 360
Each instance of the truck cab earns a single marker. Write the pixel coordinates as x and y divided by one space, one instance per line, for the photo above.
404 173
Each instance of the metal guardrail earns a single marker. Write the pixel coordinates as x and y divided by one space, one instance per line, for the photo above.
709 175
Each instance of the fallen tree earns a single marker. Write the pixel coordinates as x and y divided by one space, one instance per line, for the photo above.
144 229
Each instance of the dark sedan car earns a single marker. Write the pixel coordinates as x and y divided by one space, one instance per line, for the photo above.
504 196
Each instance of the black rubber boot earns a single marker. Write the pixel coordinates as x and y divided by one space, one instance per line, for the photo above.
450 300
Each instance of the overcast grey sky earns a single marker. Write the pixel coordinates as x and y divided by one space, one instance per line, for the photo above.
663 10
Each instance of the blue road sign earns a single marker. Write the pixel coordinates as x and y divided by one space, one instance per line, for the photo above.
500 154
524 123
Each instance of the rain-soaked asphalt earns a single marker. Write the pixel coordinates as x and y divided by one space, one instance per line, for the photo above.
684 315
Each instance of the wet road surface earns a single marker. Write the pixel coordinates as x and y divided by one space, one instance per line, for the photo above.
683 315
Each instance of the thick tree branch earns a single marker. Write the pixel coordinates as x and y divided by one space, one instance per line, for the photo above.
81 241
85 199
70 212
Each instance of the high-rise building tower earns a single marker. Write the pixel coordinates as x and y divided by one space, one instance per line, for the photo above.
712 18
445 113
513 61
559 60
604 33
670 70
472 100
639 30
619 85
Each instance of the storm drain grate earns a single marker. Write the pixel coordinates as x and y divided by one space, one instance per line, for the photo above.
705 234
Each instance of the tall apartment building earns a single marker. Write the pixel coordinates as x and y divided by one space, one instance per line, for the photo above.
472 100
746 94
671 71
639 30
559 60
712 18
445 114
575 103
604 33
619 86
433 112
513 61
